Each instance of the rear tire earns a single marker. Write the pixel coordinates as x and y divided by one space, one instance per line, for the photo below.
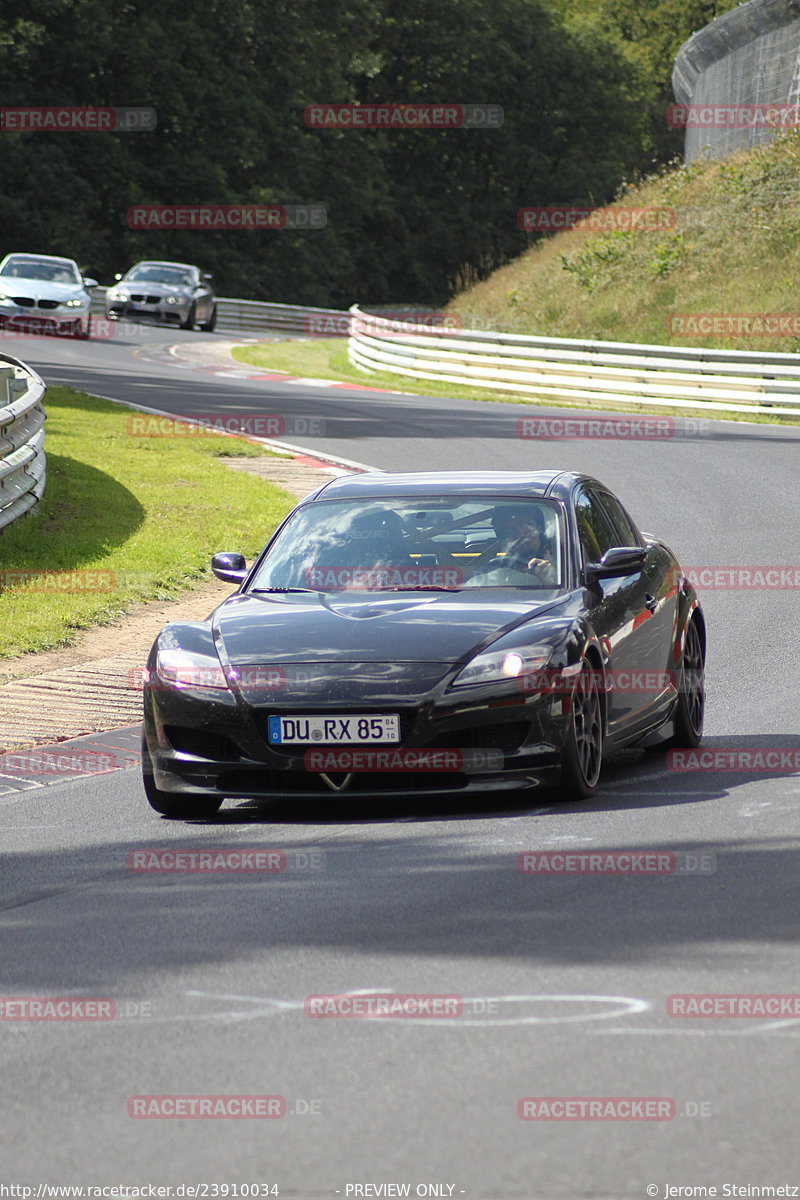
582 756
177 805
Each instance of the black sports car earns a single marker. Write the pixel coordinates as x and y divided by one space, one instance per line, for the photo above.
440 634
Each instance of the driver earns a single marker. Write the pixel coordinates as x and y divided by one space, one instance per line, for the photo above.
521 540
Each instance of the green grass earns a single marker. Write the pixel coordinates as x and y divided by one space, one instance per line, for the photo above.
735 249
144 513
326 358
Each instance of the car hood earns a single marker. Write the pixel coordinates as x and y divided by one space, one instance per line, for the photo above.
371 627
42 289
153 289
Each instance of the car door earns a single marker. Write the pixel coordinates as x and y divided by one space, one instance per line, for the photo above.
617 609
661 601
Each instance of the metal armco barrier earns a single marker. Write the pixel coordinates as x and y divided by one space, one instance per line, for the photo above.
22 417
667 376
257 316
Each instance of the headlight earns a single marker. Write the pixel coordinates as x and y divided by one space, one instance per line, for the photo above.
174 299
182 668
5 299
498 666
74 303
116 294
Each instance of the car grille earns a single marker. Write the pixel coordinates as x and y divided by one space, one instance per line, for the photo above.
140 298
49 303
25 301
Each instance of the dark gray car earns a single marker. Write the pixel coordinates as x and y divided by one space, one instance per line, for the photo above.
164 291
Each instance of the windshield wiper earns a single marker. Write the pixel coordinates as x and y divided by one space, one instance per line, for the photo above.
422 587
283 591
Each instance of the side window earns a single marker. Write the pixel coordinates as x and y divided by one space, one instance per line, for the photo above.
624 531
595 530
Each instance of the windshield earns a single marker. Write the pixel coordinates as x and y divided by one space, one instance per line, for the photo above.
41 268
154 274
416 545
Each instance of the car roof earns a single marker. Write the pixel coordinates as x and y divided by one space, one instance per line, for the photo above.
49 257
448 483
159 262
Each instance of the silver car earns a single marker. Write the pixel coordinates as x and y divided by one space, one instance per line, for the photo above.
164 291
42 293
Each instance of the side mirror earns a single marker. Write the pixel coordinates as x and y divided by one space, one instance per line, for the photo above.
229 567
620 560
90 283
209 277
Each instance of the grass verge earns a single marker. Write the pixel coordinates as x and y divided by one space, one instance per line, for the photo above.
326 358
124 519
732 251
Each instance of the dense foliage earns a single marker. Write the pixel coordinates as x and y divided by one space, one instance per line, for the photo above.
412 215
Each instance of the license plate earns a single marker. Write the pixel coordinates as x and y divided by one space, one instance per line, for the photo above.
360 729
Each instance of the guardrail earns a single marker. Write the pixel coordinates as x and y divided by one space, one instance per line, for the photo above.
257 316
666 376
22 461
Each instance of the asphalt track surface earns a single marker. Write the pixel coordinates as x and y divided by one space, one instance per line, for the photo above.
564 980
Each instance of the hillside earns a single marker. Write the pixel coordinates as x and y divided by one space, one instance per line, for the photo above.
735 249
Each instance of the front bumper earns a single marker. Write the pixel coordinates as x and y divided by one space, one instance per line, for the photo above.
118 309
218 746
52 320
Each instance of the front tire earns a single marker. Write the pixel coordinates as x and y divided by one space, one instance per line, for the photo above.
190 320
690 709
582 756
211 323
176 805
